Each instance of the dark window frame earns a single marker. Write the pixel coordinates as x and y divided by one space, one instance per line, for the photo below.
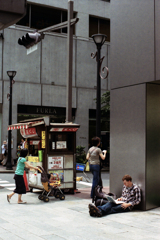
28 16
99 20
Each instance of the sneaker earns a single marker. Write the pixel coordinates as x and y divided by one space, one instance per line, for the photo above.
94 211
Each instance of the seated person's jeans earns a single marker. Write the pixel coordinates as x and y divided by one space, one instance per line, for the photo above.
110 208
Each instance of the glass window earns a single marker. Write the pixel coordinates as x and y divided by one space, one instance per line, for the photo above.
99 25
39 17
105 28
64 18
42 17
93 26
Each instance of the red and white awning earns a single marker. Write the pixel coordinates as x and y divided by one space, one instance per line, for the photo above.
69 129
24 125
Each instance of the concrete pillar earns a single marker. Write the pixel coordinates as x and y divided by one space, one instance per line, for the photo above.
135 91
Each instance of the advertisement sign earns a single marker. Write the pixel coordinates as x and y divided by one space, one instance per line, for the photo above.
34 142
61 145
29 132
80 167
53 145
55 162
33 159
43 139
57 175
40 155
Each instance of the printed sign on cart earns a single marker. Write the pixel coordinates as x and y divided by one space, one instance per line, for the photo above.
29 132
43 139
57 175
55 162
61 144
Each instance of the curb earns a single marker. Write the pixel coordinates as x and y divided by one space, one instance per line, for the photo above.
4 170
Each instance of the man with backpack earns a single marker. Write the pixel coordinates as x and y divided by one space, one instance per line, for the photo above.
131 196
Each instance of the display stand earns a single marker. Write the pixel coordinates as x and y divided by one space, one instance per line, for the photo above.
52 146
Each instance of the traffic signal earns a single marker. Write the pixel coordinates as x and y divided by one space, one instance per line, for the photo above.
30 39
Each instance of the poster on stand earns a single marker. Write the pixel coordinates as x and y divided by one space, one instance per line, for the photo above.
55 162
56 175
61 145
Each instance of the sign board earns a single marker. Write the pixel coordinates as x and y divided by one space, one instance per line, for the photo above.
33 159
63 129
61 145
34 142
29 132
32 49
53 145
80 167
57 174
43 139
55 162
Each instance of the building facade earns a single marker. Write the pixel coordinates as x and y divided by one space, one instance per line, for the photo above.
40 82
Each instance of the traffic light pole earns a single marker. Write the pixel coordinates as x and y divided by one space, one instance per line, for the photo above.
59 25
69 64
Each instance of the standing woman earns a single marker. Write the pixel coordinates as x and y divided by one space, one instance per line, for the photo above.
94 161
20 185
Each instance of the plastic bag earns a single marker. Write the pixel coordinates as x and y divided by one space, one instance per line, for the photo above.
33 179
87 167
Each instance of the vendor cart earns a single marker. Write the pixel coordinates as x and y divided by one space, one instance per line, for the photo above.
52 146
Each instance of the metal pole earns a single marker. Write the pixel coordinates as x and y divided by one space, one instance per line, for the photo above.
9 164
98 109
69 63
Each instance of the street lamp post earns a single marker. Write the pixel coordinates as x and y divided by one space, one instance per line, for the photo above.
99 40
11 75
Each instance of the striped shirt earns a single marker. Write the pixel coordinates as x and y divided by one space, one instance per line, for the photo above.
131 195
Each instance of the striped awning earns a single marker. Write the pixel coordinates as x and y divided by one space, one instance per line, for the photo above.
63 129
24 125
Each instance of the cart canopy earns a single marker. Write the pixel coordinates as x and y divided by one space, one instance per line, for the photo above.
25 125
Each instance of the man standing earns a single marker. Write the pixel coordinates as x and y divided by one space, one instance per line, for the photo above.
131 196
4 153
3 146
23 143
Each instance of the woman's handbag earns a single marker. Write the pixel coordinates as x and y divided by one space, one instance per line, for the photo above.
87 167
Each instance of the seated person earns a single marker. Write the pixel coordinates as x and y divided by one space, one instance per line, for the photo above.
131 196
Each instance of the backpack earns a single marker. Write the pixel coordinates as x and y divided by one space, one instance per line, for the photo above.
100 196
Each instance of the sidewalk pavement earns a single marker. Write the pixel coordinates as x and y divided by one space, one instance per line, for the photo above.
3 169
70 220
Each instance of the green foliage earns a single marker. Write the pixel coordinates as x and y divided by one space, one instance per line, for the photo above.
80 155
105 102
105 106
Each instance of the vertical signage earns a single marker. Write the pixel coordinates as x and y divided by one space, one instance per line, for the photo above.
43 139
